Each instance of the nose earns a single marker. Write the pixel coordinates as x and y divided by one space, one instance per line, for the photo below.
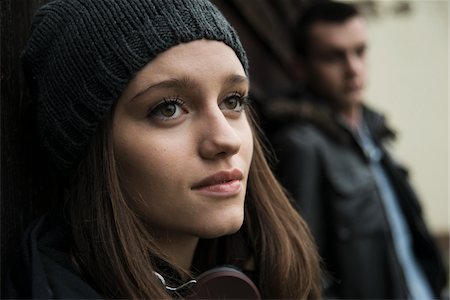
219 139
353 65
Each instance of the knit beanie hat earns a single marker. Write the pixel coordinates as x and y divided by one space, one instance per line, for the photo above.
82 53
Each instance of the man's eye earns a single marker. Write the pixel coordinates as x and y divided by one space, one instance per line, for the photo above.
361 51
167 110
330 58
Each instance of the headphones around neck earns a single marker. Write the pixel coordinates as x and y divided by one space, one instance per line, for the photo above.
218 283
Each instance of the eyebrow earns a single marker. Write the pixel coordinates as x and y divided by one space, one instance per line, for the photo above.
186 83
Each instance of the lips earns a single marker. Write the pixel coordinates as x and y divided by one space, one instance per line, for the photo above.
222 178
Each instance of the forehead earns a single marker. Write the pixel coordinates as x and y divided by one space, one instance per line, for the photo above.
203 62
338 35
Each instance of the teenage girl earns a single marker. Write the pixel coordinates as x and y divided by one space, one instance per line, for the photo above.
143 109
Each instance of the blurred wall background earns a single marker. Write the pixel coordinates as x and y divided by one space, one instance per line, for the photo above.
408 80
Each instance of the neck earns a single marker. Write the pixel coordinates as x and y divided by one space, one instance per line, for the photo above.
352 115
179 249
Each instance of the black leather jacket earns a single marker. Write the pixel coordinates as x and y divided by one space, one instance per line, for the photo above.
326 171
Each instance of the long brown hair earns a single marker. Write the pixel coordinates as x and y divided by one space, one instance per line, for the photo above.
112 247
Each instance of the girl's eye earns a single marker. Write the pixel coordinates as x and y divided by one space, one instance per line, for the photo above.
234 102
167 110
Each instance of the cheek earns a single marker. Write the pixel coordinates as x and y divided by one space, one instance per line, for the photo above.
246 135
147 174
135 164
141 162
327 76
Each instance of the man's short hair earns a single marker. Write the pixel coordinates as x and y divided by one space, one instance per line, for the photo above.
323 11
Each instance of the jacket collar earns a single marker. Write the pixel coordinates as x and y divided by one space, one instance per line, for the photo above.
307 107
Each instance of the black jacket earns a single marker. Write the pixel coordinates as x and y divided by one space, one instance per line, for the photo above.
326 171
43 268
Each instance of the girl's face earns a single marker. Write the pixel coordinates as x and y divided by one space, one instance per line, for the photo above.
183 142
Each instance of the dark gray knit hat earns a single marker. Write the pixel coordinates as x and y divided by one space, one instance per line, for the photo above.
82 53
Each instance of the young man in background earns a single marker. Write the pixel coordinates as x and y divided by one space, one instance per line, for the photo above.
365 217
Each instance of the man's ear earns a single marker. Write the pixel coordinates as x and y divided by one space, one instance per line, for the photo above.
300 68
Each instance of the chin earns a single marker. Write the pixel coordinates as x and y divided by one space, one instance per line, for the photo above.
354 98
226 227
347 102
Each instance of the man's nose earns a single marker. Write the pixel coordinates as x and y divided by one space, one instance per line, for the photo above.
219 138
353 64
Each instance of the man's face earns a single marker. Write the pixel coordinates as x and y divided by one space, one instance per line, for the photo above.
336 62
